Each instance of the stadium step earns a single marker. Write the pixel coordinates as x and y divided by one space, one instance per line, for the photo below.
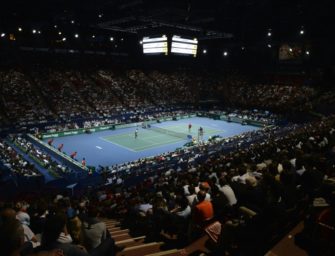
111 222
131 241
113 229
118 232
172 252
121 237
135 246
286 246
116 223
142 249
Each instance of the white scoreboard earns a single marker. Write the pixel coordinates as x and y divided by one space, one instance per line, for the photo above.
184 46
155 45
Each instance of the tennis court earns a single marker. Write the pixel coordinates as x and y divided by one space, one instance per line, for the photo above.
118 146
151 138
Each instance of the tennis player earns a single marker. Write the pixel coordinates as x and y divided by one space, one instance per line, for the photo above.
136 133
189 127
201 134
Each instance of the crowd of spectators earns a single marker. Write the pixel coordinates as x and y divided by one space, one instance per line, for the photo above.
261 116
57 226
46 94
182 180
59 169
15 162
180 159
20 99
56 168
140 115
281 98
266 184
248 186
241 198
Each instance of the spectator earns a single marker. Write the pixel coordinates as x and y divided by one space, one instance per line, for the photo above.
55 236
11 237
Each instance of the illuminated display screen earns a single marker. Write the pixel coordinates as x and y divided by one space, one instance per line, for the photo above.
155 45
184 46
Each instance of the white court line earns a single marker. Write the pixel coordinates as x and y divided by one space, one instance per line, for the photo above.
145 140
138 138
154 144
117 144
193 125
98 147
132 135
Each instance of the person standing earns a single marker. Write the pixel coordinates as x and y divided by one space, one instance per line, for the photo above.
73 154
189 127
60 147
201 134
83 162
136 133
50 141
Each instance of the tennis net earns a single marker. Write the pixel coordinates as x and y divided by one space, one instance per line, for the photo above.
172 133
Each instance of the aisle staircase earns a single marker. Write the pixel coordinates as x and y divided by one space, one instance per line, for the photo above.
287 246
136 245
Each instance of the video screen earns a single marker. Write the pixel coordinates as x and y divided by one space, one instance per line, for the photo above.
155 45
184 46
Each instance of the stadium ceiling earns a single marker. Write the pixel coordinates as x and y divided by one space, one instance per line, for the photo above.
211 19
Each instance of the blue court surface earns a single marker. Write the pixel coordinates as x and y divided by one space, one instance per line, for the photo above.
118 146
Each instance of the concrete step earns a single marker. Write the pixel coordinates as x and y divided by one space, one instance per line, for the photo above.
142 249
112 229
111 221
286 246
172 252
116 224
118 232
121 237
131 241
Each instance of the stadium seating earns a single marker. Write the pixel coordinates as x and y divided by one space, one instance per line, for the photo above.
260 184
56 95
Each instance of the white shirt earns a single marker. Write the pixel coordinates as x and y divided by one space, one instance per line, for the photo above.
185 213
190 199
64 239
229 194
28 235
144 207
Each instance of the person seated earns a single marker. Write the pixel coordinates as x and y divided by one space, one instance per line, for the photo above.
11 237
55 236
202 215
95 231
24 219
97 239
